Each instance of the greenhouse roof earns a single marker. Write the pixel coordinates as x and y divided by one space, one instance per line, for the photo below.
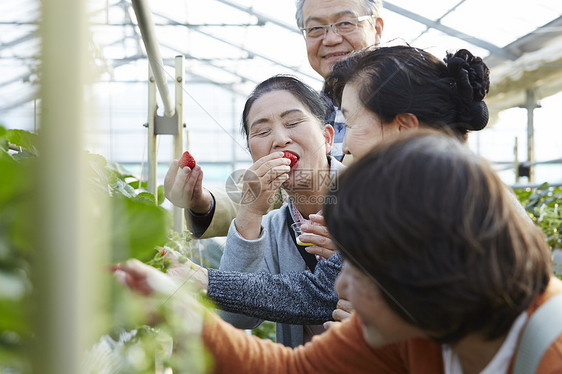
229 46
238 43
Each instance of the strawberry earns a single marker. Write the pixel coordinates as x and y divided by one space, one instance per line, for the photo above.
290 156
187 160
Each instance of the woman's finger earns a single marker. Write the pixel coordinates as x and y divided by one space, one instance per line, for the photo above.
320 251
317 218
316 229
318 240
340 315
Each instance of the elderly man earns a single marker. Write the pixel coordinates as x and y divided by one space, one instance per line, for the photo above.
332 30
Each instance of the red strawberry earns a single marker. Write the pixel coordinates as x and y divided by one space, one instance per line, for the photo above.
187 160
290 156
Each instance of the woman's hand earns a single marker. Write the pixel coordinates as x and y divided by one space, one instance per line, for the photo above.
261 181
178 300
185 189
183 269
343 310
323 245
143 278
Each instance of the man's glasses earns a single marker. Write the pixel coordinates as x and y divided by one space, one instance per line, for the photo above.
341 28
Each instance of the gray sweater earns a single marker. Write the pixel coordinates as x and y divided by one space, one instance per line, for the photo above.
274 252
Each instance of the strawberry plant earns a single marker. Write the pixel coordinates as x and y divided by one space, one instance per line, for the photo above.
138 226
544 205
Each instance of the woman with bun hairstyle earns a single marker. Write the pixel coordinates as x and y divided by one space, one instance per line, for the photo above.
383 92
401 88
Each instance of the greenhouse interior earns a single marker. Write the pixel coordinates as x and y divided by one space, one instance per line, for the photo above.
99 97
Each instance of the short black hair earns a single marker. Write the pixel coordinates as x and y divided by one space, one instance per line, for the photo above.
312 99
435 226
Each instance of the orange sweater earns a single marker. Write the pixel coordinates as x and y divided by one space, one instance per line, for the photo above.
342 349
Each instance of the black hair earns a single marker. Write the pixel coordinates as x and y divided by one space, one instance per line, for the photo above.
282 82
404 79
435 228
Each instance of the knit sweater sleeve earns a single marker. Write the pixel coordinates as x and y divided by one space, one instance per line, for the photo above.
296 298
241 255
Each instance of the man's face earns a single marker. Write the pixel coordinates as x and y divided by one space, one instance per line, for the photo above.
324 52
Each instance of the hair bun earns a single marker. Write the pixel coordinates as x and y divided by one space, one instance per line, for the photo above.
480 116
471 80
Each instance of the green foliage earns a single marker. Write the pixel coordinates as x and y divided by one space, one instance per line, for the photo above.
182 243
136 226
171 339
265 331
544 205
15 253
23 139
144 333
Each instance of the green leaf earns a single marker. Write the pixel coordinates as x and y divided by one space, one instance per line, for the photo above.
23 139
161 196
120 170
16 180
146 197
124 188
15 317
138 227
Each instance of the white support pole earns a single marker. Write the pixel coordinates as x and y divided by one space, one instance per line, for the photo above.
178 138
152 137
531 104
516 159
65 265
146 26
